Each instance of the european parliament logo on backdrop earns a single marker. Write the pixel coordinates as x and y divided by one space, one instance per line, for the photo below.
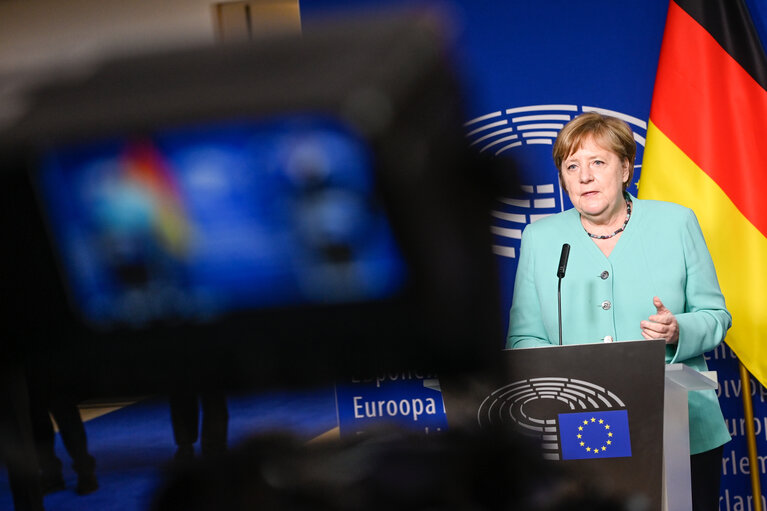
527 133
594 435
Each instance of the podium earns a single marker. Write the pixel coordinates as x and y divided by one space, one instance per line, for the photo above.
613 411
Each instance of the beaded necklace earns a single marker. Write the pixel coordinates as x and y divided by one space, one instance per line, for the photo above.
608 236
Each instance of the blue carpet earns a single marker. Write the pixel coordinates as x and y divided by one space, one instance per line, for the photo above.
133 444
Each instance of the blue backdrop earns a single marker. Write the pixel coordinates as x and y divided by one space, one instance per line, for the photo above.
532 66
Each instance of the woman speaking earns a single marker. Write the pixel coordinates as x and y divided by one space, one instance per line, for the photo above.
637 269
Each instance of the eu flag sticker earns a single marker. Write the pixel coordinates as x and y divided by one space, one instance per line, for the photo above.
594 435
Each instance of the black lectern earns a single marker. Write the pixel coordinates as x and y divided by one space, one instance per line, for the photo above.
595 409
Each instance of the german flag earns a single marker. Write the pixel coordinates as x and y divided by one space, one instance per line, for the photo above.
707 149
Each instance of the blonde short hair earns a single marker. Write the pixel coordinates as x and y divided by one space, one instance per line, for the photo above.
610 132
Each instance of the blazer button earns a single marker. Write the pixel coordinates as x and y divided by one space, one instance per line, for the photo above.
608 338
604 275
606 305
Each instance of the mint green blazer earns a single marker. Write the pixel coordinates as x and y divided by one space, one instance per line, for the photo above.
661 253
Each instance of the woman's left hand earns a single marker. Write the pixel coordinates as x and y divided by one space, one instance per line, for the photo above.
662 325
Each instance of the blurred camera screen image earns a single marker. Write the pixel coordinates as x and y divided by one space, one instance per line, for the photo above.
189 222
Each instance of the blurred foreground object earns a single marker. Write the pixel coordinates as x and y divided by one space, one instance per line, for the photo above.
453 471
281 212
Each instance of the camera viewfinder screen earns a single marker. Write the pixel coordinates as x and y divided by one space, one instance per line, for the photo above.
189 223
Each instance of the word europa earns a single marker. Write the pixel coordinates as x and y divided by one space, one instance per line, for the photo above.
737 426
392 377
734 388
392 408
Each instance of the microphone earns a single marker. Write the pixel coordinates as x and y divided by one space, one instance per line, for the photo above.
563 260
560 274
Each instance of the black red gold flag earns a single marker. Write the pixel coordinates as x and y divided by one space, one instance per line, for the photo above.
706 147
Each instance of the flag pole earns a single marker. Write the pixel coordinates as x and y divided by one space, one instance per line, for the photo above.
748 410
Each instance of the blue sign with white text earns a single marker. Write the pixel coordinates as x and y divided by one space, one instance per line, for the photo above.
408 400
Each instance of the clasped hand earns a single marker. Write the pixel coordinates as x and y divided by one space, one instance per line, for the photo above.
662 325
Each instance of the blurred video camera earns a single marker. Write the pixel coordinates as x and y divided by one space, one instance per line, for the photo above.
283 211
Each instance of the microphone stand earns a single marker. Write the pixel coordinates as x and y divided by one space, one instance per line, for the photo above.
559 308
560 274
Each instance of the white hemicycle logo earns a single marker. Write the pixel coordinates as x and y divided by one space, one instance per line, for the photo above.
505 132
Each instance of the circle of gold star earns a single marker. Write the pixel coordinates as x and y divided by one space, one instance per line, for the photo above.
593 449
